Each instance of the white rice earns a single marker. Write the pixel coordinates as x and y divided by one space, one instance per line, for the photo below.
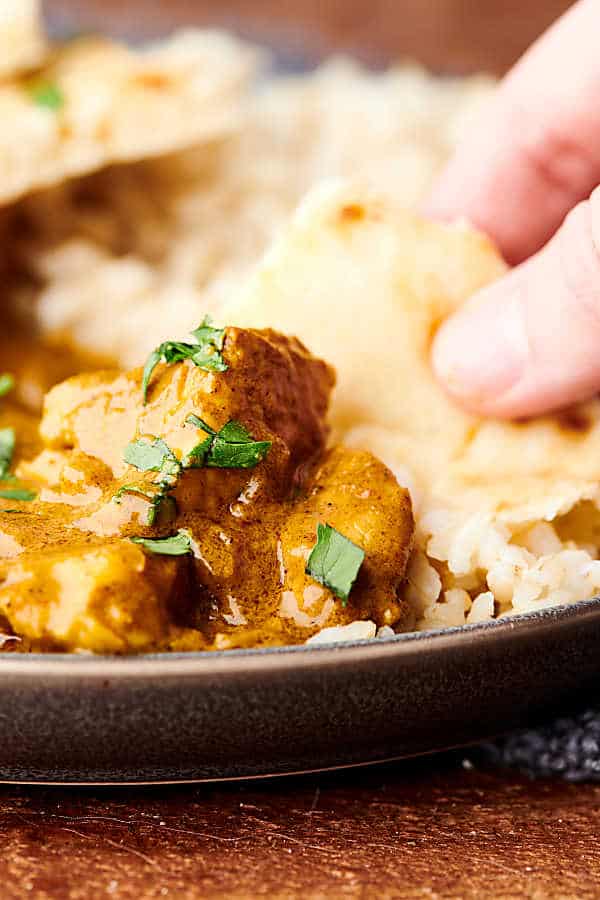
204 217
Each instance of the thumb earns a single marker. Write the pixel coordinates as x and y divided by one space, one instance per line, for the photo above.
530 343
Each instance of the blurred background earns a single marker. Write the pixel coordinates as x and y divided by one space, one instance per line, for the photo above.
446 35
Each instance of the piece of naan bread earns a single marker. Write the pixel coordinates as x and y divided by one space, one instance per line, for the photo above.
22 40
365 284
97 102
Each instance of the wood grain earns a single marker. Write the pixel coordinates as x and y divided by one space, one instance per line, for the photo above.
428 829
451 35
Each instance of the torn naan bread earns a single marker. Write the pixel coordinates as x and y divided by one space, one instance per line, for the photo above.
22 41
365 285
97 102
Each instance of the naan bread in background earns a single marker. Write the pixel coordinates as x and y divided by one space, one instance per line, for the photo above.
97 102
365 284
22 40
132 255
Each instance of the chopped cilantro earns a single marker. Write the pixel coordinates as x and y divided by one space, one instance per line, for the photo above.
178 544
155 456
7 383
17 494
151 363
335 561
46 94
159 499
207 336
200 423
230 448
7 447
132 489
196 458
205 353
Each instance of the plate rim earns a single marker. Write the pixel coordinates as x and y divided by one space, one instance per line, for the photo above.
406 644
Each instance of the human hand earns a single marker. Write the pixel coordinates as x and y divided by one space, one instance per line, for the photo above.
531 342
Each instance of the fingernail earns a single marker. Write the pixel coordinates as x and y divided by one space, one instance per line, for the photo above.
482 351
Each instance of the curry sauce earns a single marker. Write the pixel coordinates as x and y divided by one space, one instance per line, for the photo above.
111 556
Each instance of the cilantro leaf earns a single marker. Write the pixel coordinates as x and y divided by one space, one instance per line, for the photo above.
196 458
237 455
156 456
46 94
17 494
132 489
178 544
205 353
162 502
200 423
151 363
206 334
335 561
153 457
7 447
234 433
233 447
159 499
210 360
7 383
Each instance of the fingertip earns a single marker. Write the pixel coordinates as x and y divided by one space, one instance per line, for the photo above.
480 353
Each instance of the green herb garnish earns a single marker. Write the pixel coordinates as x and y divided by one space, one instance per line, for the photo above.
159 499
178 544
7 447
7 383
154 456
17 494
230 448
205 353
207 336
335 561
46 94
132 489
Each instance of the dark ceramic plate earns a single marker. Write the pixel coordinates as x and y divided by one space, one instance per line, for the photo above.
265 712
244 714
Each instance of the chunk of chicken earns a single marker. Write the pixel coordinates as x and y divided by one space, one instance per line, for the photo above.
272 385
358 496
74 598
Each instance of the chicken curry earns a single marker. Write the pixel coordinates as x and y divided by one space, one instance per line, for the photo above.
194 504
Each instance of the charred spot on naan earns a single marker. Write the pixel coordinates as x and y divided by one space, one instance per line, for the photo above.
573 422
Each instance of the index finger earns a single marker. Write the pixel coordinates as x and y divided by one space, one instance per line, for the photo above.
536 151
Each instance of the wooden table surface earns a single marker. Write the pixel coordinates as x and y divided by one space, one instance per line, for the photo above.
422 829
454 35
427 829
